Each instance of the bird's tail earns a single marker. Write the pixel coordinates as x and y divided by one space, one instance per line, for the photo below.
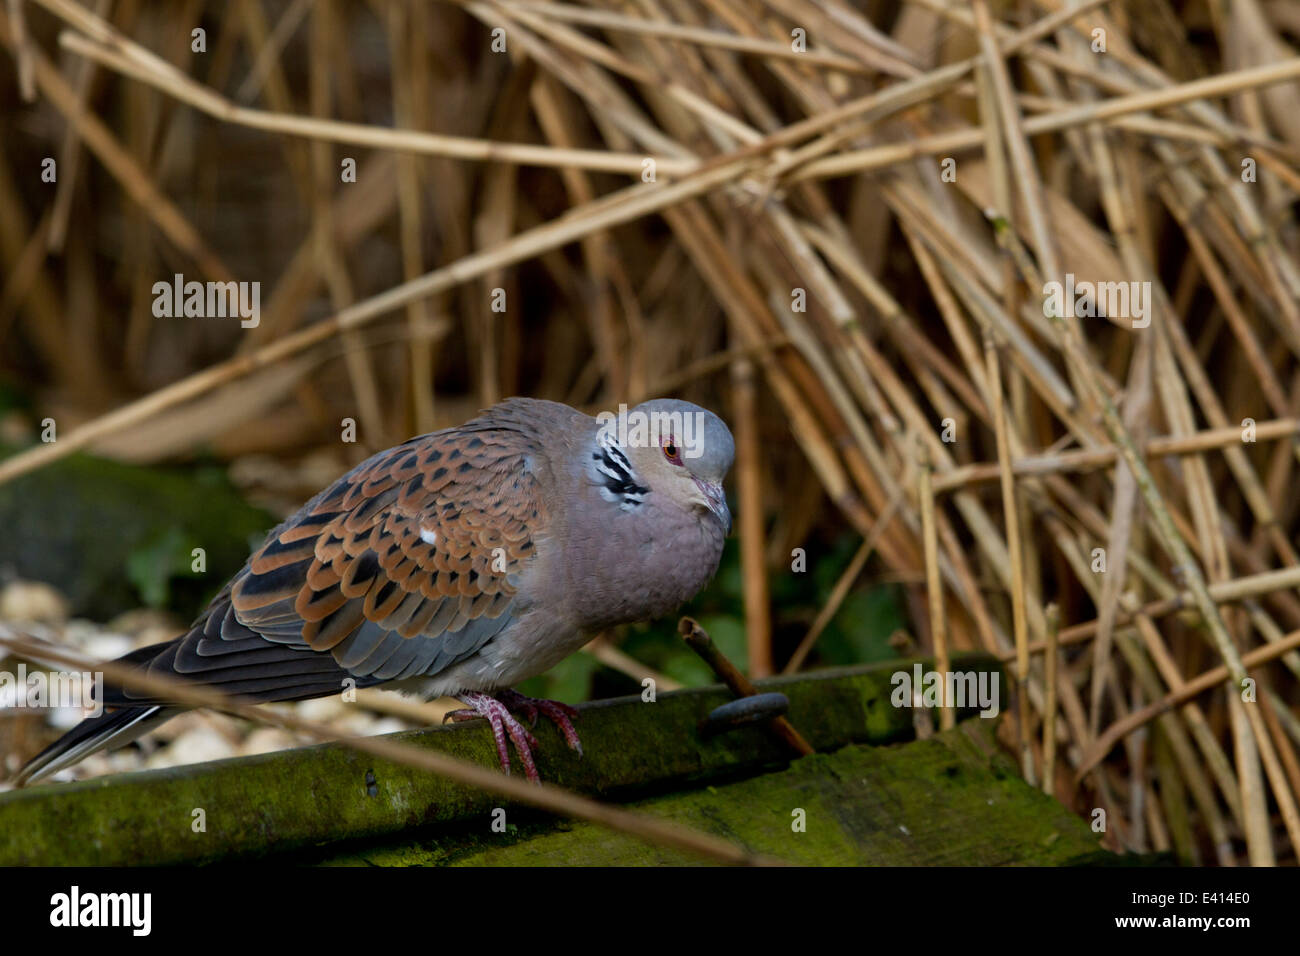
122 721
113 728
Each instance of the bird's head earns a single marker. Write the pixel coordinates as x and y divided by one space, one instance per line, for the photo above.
678 450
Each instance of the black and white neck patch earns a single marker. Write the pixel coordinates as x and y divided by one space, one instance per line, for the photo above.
618 482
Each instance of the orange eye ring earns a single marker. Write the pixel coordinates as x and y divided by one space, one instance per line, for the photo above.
672 452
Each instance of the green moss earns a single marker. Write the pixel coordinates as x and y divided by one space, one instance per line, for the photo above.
949 800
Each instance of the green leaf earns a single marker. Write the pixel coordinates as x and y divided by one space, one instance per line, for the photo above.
151 566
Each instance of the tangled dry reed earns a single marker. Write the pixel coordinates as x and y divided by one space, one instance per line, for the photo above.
837 222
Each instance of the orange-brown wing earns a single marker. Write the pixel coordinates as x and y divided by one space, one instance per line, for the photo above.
407 564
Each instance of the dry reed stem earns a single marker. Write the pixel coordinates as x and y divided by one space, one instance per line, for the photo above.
1052 659
1011 518
933 587
1106 456
375 137
749 485
878 157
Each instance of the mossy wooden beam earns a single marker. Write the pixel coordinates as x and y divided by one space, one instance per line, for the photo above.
951 800
282 801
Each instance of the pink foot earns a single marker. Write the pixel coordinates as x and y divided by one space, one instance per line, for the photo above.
562 715
502 723
497 710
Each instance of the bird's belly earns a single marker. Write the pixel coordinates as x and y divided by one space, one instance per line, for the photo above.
524 649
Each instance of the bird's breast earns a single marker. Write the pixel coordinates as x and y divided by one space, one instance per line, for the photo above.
642 565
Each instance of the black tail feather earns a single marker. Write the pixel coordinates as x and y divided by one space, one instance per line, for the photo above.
113 728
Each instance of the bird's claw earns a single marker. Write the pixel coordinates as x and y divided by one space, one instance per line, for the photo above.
562 715
503 724
498 712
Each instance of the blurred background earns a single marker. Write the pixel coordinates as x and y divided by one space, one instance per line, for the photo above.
857 215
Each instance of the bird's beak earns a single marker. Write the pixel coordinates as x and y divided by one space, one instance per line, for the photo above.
716 500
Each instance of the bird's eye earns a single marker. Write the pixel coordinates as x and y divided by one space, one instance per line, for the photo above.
672 452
